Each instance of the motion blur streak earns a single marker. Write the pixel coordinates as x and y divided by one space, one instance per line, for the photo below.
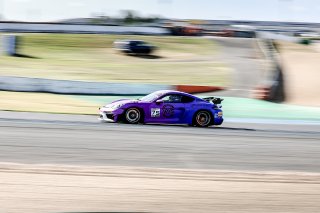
253 65
260 167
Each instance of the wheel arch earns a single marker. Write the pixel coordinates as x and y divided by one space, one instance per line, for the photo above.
142 118
198 110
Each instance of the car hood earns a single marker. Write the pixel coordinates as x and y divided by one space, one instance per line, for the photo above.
121 102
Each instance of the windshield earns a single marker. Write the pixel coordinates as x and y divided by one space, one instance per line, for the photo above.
140 42
151 97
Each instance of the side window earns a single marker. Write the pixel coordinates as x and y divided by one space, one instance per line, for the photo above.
186 99
139 43
172 98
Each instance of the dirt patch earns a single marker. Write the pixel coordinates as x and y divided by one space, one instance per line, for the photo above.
301 73
52 188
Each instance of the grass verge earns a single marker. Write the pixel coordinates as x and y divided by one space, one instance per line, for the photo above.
89 57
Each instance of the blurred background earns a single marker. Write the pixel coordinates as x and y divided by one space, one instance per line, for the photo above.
60 59
266 51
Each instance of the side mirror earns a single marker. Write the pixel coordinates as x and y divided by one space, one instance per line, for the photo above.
159 102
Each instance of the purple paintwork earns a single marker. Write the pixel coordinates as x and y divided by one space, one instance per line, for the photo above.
164 106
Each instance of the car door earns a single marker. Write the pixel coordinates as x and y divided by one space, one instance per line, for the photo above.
167 109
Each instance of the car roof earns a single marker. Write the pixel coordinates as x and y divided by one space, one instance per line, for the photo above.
130 41
165 92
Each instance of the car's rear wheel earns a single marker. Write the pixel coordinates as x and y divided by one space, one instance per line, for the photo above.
203 118
132 116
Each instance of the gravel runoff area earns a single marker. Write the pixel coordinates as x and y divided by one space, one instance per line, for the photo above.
301 73
52 188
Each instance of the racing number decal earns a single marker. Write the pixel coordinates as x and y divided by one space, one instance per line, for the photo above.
155 112
168 111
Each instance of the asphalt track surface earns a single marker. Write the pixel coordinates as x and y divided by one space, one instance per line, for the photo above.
38 138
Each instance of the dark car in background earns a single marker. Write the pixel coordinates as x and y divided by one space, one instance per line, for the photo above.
134 47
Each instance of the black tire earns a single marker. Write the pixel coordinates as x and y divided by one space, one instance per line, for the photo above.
132 116
202 118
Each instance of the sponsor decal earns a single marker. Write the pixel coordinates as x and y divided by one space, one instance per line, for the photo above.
155 112
168 111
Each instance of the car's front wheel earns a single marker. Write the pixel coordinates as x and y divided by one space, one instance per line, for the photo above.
132 116
203 118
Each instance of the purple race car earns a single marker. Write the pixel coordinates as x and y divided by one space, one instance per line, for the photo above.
165 106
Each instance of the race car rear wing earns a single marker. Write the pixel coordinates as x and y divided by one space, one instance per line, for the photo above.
214 100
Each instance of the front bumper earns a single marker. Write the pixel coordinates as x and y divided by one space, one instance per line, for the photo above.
218 121
107 114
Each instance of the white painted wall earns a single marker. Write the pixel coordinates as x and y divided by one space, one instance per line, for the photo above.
22 84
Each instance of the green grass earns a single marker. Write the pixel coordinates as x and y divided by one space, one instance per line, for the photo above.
45 102
182 60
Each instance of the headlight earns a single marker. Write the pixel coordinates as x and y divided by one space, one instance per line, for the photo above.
116 106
